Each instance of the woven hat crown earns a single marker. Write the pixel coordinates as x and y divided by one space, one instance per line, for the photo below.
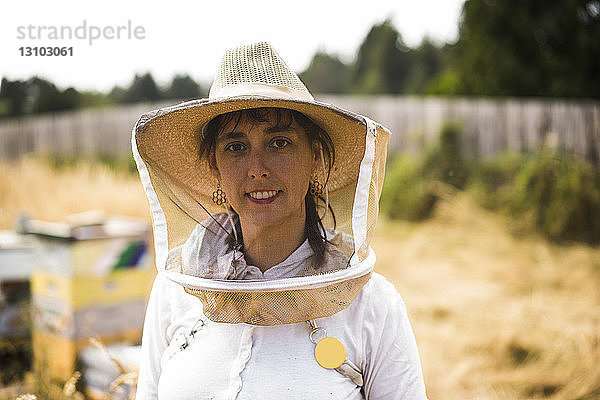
256 70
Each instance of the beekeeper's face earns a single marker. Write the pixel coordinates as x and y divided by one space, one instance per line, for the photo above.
265 168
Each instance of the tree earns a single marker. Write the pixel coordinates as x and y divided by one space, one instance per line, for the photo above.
13 97
530 48
143 88
117 94
185 88
47 97
326 74
382 61
426 63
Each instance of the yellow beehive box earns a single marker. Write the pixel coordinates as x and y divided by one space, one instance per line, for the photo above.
89 244
96 257
88 291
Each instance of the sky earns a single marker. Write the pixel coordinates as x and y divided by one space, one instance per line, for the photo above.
112 40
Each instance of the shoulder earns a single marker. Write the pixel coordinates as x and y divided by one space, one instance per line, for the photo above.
381 295
168 301
378 310
165 288
380 282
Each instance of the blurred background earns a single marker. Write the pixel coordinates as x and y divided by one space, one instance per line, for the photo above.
490 214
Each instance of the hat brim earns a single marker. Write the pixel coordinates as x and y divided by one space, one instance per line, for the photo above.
167 140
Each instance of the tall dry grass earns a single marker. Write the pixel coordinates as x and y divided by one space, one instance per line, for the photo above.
496 317
33 186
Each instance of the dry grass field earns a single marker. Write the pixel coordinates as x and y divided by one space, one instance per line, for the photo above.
34 187
495 316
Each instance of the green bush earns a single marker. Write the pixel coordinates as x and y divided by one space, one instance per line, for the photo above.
118 163
556 194
408 189
405 193
115 163
491 180
445 162
559 194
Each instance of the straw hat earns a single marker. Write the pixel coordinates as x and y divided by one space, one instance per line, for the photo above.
249 76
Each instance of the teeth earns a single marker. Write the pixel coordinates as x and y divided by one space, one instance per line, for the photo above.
262 195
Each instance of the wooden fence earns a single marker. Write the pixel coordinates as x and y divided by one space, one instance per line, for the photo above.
489 126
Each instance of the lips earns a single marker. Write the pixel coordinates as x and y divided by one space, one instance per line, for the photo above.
263 196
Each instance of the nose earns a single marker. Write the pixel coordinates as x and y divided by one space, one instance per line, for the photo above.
257 166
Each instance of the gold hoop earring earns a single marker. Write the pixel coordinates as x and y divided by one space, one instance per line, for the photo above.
316 188
218 196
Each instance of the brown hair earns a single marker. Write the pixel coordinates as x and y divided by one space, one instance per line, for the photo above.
313 227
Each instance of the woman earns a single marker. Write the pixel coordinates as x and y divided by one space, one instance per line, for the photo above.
264 202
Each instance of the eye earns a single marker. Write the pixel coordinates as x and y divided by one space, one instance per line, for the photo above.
235 147
280 143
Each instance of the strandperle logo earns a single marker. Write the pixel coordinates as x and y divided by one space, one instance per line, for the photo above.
84 31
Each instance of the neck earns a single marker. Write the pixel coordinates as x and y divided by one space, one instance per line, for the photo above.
266 246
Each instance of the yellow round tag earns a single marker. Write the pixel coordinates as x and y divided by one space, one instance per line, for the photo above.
330 353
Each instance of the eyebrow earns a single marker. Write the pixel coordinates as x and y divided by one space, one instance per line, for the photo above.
238 135
278 129
230 135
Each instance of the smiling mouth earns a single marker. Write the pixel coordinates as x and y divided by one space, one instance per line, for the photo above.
263 196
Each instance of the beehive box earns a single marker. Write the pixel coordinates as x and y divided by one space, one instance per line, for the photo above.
93 282
67 311
81 292
90 306
97 257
